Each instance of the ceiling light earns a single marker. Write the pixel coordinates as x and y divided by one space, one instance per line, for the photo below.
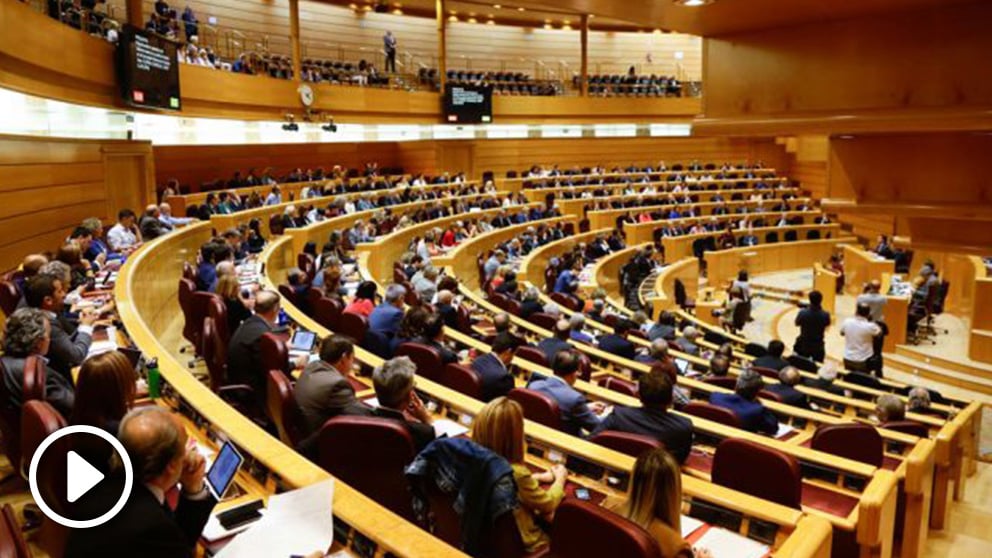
398 11
490 22
472 20
521 9
453 19
693 3
497 6
548 26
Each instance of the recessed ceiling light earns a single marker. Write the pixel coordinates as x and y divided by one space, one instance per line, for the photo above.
521 9
397 11
490 22
693 3
548 26
472 20
453 18
497 6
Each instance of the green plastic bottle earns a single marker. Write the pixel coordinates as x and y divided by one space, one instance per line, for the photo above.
154 379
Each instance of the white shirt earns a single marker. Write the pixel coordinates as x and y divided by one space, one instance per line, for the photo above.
858 333
876 302
119 238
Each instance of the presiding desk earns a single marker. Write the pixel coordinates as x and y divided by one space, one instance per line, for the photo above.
861 267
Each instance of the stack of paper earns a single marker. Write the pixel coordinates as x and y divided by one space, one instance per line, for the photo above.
725 544
295 523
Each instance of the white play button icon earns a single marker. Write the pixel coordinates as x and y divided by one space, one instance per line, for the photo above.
80 476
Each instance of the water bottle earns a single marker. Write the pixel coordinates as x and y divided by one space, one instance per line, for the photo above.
154 379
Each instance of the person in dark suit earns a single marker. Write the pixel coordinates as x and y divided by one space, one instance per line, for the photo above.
617 342
576 414
66 350
447 309
150 225
743 402
719 367
531 303
27 333
492 367
433 336
665 328
323 390
656 353
788 379
687 343
155 441
652 417
386 317
773 358
824 380
558 342
813 322
394 383
244 359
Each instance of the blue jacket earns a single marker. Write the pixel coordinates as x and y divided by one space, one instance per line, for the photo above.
206 277
575 413
617 345
552 346
565 282
385 318
496 379
753 415
481 480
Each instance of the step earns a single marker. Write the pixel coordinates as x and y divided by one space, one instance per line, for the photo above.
975 368
777 290
938 374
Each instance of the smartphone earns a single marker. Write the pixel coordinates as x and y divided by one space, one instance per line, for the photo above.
582 493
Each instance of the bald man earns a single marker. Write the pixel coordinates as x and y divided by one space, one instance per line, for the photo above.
150 225
29 268
155 441
165 215
244 355
788 379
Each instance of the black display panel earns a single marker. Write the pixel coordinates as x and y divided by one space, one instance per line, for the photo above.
468 104
148 70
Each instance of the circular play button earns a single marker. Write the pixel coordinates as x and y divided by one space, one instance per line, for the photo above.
80 476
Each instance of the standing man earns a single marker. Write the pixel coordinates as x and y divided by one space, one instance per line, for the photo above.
859 334
875 301
812 322
389 45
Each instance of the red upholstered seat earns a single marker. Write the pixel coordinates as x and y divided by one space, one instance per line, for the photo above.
353 325
766 372
282 408
10 425
369 454
624 442
217 309
273 352
499 300
191 328
566 301
722 381
910 427
619 385
305 262
542 320
38 421
313 295
532 354
199 308
736 461
537 407
770 395
287 294
857 441
583 529
462 379
327 312
33 384
9 297
427 359
12 541
275 224
714 413
513 306
214 354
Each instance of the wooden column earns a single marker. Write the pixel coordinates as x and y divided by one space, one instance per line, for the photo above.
134 15
442 44
294 36
584 68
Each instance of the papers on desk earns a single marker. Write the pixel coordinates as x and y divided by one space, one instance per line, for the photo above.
726 544
295 523
689 525
104 346
449 428
783 430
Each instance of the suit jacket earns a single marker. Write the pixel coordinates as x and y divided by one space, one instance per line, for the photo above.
58 389
151 228
529 307
686 346
821 384
617 345
385 318
659 331
496 379
322 393
770 362
552 346
66 350
672 430
753 415
575 412
421 433
790 395
449 314
244 357
143 528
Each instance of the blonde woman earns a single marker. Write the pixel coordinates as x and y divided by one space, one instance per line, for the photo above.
500 427
238 302
656 503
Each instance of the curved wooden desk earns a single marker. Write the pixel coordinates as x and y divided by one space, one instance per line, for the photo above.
654 202
518 183
146 294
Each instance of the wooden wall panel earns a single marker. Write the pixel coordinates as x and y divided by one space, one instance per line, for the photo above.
337 33
48 186
811 175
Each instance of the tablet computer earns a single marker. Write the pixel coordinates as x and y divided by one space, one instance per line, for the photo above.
223 470
302 341
683 366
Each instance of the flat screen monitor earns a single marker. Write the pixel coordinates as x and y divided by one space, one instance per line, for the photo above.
148 70
468 104
223 470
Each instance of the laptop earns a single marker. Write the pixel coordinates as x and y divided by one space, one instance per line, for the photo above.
302 343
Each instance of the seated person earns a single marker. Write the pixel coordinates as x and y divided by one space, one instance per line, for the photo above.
558 342
499 426
825 377
919 402
576 414
665 328
772 360
655 503
719 367
889 408
67 348
503 324
156 442
617 342
656 353
364 301
687 343
743 402
105 392
652 417
577 322
433 336
447 308
323 390
411 328
244 354
386 317
394 383
28 333
788 379
492 367
531 303
124 237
